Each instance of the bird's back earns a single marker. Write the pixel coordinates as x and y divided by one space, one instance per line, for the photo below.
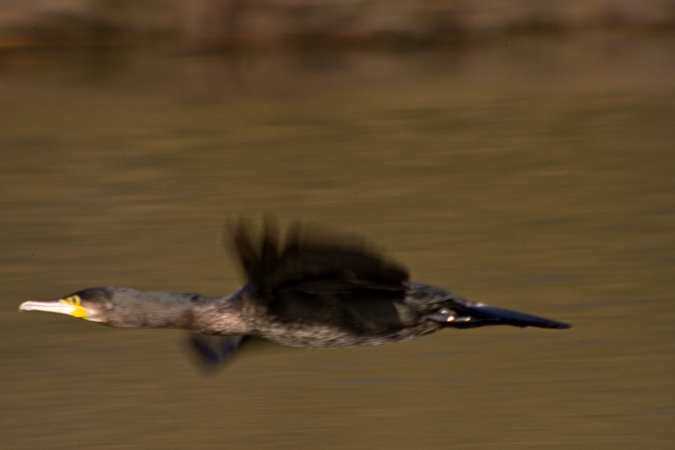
319 290
322 290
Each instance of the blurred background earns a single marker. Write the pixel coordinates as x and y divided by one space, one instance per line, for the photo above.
519 153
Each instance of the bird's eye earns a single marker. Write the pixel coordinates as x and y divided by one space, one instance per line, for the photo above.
72 300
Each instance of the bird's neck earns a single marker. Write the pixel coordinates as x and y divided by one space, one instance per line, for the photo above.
220 315
208 315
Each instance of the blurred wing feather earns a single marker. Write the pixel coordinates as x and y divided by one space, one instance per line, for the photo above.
322 278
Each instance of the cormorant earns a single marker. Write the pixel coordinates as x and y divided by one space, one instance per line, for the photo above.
312 291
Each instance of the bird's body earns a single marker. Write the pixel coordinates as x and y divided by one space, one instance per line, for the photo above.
311 292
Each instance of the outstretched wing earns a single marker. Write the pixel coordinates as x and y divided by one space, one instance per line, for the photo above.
316 277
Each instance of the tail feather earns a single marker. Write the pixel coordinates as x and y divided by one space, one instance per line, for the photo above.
478 315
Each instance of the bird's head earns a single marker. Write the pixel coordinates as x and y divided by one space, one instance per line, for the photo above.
90 304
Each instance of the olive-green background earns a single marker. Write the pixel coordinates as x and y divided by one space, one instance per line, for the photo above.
537 175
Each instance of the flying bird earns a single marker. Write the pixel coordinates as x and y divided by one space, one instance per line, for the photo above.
309 290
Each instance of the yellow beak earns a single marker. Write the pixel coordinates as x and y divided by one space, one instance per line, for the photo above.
71 306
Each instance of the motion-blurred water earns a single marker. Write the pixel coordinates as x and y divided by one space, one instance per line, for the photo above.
537 176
